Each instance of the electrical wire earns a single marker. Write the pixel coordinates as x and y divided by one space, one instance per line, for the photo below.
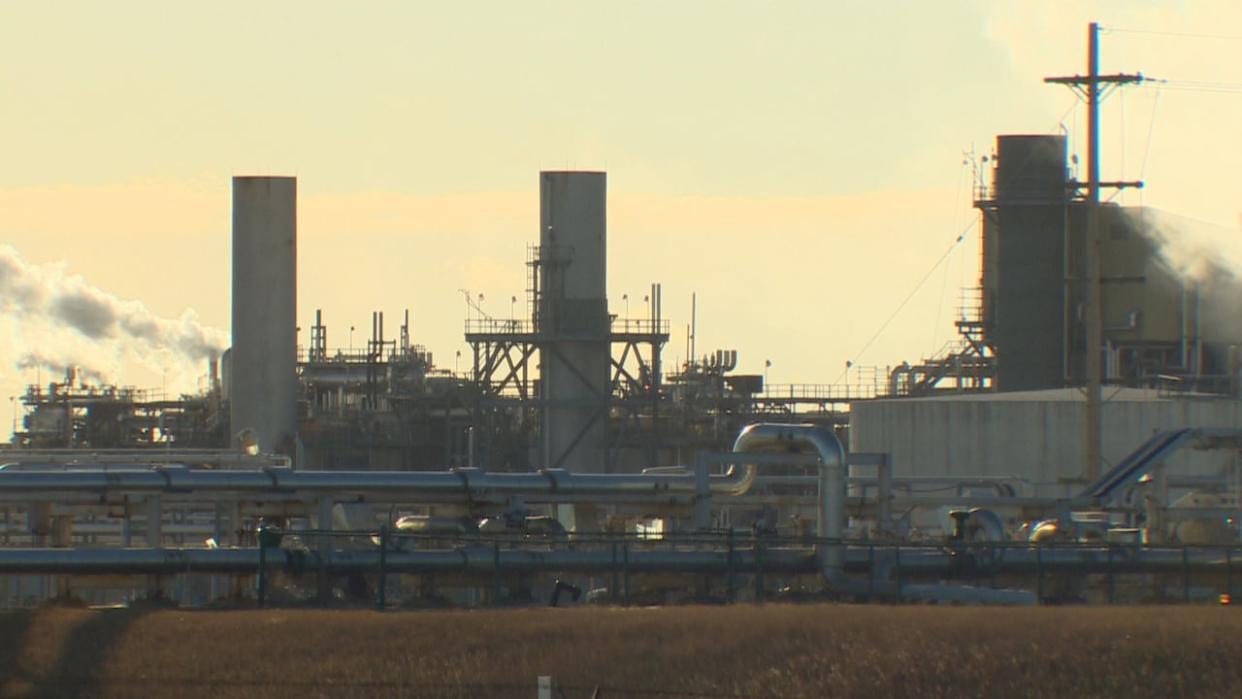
944 281
1184 35
1197 86
884 326
1151 129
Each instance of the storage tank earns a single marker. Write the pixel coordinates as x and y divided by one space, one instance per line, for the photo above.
263 361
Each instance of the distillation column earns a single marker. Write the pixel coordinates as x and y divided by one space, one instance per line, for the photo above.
263 359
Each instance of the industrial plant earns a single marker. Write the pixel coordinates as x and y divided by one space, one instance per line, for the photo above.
1077 442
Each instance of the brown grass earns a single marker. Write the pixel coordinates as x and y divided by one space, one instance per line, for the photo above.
775 650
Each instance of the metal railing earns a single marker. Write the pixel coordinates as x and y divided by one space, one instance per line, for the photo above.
526 326
1060 572
824 393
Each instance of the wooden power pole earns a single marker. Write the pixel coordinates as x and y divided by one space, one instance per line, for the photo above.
1089 87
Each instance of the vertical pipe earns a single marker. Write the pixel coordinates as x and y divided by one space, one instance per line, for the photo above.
155 521
1186 364
886 493
694 327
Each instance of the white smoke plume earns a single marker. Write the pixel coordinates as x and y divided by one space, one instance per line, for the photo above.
1208 258
1194 250
57 320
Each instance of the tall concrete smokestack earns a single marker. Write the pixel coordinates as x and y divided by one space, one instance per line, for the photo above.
263 371
573 319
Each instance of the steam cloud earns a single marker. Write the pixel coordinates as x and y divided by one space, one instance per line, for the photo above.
57 321
1208 258
1194 250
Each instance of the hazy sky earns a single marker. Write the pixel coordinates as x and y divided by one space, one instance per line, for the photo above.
798 164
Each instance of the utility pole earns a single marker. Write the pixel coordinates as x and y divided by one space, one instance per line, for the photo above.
1089 87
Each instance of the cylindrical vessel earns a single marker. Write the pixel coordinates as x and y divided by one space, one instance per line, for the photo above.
263 368
573 319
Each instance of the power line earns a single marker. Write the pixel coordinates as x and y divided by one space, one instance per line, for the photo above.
883 326
1151 129
1185 35
1187 86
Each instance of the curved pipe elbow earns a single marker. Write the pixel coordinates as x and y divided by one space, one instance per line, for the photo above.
769 436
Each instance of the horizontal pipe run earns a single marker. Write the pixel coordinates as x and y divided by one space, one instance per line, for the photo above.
128 561
464 560
460 486
482 559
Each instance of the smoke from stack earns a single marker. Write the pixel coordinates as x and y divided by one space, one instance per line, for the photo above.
1208 259
57 321
1194 250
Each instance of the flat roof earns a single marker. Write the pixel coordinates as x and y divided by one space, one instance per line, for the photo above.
1111 394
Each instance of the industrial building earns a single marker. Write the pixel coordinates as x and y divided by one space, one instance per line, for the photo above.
1169 353
570 449
1034 285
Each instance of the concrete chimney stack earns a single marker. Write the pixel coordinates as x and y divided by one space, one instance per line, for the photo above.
263 361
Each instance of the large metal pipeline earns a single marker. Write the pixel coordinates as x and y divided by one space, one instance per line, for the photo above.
463 486
466 560
938 563
913 563
832 472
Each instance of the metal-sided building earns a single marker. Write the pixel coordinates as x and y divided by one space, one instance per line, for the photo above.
1033 283
1035 436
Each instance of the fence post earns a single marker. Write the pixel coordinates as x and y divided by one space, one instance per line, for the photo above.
615 593
262 591
758 570
381 600
625 572
1039 573
897 568
870 571
1112 593
495 573
1185 575
1229 573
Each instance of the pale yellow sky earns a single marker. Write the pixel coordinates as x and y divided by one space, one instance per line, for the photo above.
798 164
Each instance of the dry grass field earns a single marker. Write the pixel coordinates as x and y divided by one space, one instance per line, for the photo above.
770 651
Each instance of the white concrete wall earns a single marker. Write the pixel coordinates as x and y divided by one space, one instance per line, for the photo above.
263 366
1036 439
